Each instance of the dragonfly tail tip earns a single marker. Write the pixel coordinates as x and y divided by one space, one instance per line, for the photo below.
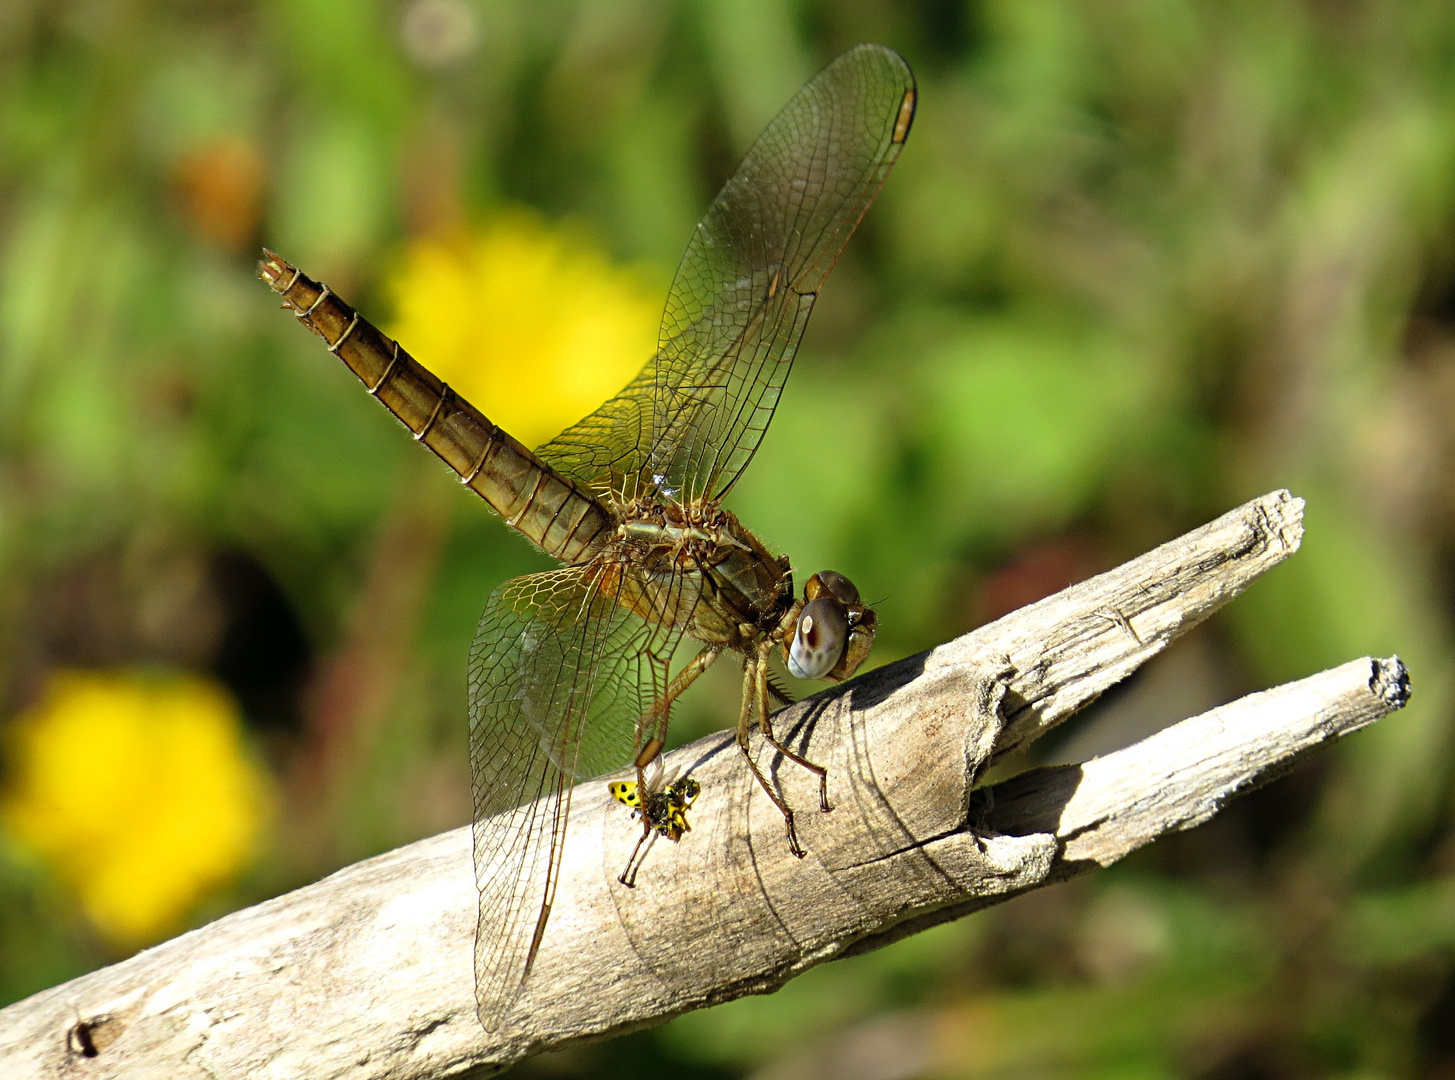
271 267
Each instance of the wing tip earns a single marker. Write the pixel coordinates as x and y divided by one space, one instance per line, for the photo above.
890 56
499 980
898 70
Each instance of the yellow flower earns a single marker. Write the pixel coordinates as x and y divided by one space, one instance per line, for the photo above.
138 792
530 323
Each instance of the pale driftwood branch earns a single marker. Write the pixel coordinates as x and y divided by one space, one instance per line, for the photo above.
368 972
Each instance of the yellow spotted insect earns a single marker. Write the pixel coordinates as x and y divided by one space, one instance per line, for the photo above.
663 812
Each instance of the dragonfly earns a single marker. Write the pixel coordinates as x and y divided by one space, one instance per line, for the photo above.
571 670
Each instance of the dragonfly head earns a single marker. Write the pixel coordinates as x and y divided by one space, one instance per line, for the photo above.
835 630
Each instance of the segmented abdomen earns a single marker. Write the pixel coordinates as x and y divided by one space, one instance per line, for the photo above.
550 510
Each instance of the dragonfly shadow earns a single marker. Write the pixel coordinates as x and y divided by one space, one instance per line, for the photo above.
1030 803
877 686
882 811
733 872
706 750
866 692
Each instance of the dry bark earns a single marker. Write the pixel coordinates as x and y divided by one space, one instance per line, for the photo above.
368 972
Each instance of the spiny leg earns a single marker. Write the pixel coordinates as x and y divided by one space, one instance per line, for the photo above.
778 691
745 725
766 724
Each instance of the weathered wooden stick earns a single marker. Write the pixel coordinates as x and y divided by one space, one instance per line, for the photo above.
368 972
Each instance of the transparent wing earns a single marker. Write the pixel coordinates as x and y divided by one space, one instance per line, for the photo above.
561 672
688 425
746 286
606 451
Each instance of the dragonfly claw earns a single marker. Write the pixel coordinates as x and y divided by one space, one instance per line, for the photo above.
793 844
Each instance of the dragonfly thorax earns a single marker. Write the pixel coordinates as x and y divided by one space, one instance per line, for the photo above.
737 590
668 526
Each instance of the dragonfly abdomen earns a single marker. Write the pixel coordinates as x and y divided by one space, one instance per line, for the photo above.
547 508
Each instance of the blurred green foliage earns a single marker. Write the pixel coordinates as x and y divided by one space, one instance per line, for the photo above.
1141 260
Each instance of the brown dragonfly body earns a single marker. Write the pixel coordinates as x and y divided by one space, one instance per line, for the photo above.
571 670
690 568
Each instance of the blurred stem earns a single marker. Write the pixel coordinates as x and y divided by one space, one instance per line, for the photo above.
432 176
756 59
355 687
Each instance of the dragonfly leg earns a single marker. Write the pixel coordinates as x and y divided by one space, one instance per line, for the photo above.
652 727
766 723
629 875
745 725
778 692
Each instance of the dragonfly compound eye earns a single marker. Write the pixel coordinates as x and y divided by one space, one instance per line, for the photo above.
831 583
818 643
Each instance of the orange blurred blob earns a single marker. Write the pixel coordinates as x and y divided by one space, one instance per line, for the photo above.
219 191
1035 572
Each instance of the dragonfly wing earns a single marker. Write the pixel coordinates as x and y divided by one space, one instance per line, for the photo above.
606 451
746 286
688 425
561 672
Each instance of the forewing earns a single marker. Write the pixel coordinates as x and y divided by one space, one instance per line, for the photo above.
746 286
560 672
689 424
